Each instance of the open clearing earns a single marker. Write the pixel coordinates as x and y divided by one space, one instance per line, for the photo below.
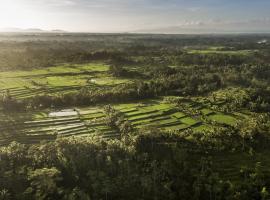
221 50
58 79
34 127
49 124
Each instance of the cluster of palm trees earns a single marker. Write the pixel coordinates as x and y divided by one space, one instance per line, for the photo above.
116 120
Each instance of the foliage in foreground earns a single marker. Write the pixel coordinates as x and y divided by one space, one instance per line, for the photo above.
135 167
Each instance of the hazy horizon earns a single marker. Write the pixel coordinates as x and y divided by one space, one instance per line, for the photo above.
148 16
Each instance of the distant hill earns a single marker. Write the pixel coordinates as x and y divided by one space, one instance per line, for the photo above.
58 31
30 30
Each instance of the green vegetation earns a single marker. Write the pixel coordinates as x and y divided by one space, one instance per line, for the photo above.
223 119
90 121
54 80
134 117
221 51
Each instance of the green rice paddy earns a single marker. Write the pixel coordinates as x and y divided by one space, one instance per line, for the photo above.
35 127
223 119
222 51
59 79
89 121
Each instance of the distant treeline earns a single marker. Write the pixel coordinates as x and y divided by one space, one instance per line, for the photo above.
28 52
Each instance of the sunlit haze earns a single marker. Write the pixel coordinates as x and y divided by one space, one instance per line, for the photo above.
170 16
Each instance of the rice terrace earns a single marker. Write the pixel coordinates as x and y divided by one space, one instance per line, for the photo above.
162 112
134 116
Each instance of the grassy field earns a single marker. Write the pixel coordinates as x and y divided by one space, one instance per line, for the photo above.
220 50
33 127
169 117
58 79
50 124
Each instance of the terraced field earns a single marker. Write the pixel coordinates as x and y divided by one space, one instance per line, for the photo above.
79 122
169 117
64 78
50 125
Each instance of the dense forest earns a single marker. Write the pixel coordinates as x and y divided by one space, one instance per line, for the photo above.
189 116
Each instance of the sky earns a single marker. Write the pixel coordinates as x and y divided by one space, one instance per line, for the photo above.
164 16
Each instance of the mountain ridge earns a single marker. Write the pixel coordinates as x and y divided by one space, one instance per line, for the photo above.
29 30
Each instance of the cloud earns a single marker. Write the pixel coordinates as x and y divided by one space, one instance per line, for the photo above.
259 25
194 9
223 22
57 2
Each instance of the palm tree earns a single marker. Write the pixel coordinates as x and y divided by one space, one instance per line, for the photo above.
4 195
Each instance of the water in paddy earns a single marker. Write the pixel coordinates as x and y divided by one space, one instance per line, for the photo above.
64 113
